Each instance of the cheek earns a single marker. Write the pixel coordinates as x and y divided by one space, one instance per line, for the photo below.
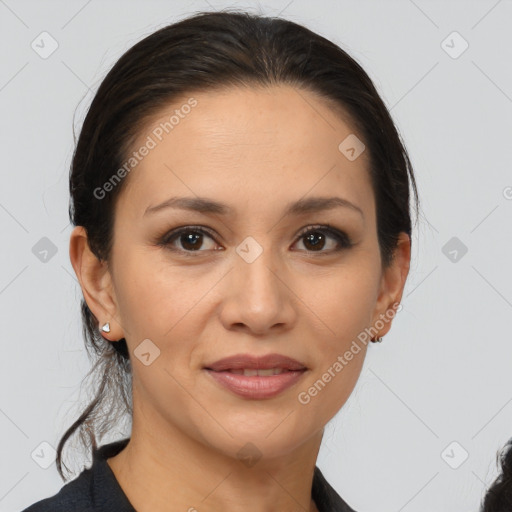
331 382
155 297
342 301
340 308
159 302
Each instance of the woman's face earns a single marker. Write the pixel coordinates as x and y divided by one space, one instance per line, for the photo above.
252 282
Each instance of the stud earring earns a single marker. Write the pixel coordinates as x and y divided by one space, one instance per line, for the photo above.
106 327
378 340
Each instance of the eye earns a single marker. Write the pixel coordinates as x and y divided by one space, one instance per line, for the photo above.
314 239
191 239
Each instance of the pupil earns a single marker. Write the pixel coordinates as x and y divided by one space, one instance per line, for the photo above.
310 239
191 238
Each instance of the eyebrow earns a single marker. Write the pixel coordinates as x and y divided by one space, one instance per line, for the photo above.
302 206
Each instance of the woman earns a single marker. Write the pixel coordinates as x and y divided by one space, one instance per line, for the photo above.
241 201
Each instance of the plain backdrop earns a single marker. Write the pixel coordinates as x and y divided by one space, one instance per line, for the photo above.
421 430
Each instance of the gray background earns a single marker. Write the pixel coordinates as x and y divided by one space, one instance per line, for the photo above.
441 375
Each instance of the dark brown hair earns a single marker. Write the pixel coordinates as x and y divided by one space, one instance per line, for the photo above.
203 52
499 495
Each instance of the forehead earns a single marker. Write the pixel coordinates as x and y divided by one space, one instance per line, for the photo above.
246 145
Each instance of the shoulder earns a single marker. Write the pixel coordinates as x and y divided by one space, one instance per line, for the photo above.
94 490
73 497
325 496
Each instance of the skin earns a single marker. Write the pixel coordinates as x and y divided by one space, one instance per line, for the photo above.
255 150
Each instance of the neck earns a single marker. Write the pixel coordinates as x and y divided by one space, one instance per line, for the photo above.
172 470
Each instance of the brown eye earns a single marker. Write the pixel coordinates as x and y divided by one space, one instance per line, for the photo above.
191 239
316 239
319 239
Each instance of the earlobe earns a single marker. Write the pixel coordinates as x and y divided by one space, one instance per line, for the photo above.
96 283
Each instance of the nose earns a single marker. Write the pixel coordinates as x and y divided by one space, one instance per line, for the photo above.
258 295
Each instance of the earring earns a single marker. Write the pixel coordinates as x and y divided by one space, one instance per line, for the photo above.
378 340
106 328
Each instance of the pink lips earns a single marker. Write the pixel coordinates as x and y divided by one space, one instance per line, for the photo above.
241 361
256 386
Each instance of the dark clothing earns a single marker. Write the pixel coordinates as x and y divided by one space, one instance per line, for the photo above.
97 490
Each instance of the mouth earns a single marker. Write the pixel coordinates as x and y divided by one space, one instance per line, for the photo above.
254 377
245 362
250 372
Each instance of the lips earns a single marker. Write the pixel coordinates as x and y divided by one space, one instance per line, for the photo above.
256 377
240 362
249 372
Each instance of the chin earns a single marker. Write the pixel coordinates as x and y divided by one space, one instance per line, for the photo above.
258 442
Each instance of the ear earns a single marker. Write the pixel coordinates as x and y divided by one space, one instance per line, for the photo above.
393 283
96 283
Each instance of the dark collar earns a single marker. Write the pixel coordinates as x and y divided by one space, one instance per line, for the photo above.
107 494
324 496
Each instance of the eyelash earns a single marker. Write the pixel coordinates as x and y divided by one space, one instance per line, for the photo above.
344 242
